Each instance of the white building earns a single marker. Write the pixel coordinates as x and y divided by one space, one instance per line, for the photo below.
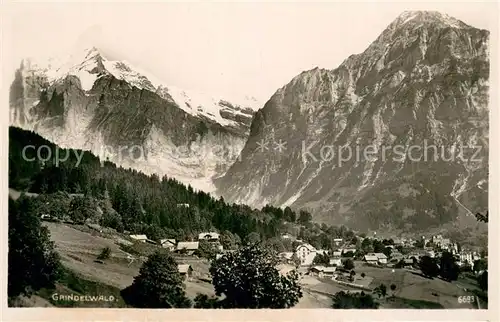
335 261
306 254
371 258
209 236
285 269
348 249
169 244
467 258
374 258
381 257
337 253
322 271
188 247
337 241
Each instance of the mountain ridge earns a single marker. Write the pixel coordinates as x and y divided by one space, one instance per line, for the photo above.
421 78
89 102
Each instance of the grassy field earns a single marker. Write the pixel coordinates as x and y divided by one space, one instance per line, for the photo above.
414 288
79 249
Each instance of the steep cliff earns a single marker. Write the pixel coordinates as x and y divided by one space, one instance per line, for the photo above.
394 138
117 111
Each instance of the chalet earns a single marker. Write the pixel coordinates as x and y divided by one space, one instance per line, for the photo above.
306 254
210 237
285 269
322 271
188 247
396 256
185 270
348 250
381 258
141 238
337 253
168 244
408 262
335 262
286 256
371 258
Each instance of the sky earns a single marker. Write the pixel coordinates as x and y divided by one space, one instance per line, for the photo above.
227 49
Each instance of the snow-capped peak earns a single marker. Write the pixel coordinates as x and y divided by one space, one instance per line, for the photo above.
88 64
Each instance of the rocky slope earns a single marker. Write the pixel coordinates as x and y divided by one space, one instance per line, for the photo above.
117 111
423 82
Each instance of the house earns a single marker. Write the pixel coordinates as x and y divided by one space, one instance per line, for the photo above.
182 205
381 258
335 262
306 254
168 244
285 269
210 237
188 247
287 236
141 238
337 253
467 258
286 256
408 262
371 258
185 270
348 250
322 271
337 241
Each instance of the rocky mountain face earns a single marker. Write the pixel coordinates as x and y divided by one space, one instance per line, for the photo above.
121 113
395 138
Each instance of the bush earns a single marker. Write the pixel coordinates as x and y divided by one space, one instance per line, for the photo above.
105 253
158 285
248 279
428 266
348 264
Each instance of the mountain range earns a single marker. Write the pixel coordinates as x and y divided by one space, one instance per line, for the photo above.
116 110
423 82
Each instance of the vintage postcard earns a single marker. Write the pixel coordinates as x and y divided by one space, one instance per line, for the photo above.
318 159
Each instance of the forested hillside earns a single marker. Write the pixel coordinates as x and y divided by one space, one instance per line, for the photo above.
125 199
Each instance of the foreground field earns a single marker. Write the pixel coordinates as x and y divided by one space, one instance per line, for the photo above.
411 285
79 250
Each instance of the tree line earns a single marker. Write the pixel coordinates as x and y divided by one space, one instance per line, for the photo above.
94 190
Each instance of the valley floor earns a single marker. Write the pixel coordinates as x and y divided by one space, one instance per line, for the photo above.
79 248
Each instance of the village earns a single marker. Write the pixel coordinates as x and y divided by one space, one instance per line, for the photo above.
398 253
